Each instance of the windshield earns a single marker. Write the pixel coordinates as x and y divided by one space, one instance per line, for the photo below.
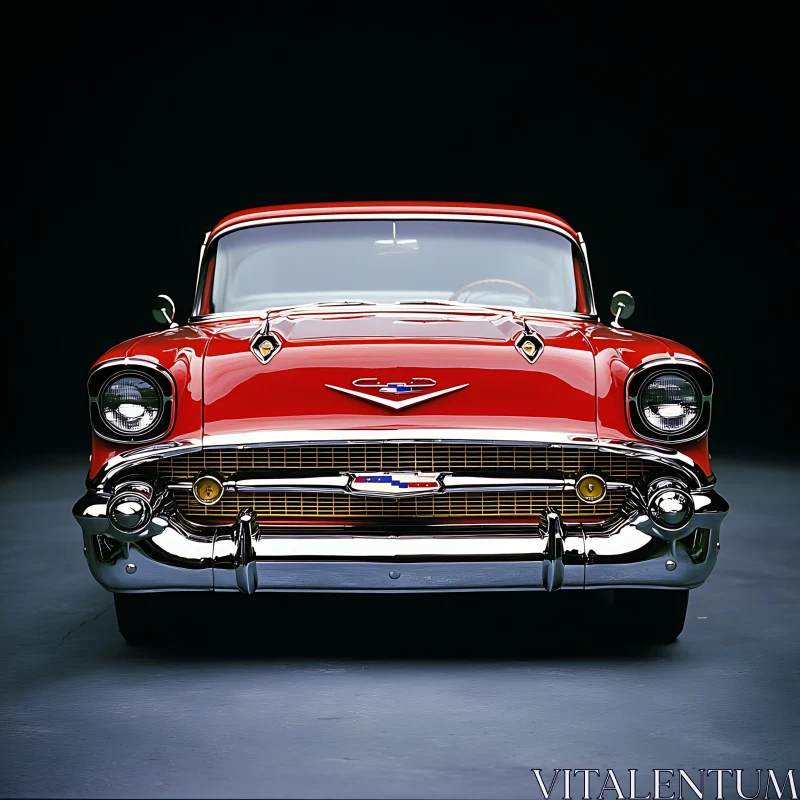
393 261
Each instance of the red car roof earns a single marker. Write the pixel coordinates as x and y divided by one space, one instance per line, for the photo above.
393 207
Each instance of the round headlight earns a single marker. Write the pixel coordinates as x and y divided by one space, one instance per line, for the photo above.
669 403
130 403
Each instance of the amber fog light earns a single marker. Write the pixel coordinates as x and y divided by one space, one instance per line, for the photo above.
671 508
207 490
129 512
591 488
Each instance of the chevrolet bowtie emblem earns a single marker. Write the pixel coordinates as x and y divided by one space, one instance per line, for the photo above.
396 388
395 483
416 385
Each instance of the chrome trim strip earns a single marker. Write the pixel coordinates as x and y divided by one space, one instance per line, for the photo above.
465 483
450 483
277 484
585 252
403 435
200 266
141 455
252 315
660 454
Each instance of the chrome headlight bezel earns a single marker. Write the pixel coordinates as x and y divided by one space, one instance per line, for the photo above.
691 371
102 376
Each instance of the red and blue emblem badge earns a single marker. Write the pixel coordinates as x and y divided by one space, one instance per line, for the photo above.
395 483
396 387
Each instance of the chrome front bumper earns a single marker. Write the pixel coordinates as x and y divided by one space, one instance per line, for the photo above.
169 555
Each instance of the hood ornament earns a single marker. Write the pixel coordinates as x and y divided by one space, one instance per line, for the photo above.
264 344
396 388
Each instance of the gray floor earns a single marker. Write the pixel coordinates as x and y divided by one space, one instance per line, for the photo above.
388 697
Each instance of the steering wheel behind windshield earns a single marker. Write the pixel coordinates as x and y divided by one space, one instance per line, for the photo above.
537 301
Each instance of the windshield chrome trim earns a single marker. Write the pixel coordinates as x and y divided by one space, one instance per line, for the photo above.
405 215
428 308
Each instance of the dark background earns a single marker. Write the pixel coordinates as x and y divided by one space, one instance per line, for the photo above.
662 134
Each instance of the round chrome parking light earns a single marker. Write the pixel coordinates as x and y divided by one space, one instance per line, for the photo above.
671 508
129 512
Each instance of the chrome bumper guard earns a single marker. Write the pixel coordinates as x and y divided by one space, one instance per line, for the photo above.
168 554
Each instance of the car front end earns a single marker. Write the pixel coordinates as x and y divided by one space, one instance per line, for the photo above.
485 439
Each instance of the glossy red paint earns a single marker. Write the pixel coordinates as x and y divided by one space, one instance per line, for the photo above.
577 386
554 394
180 350
397 207
617 353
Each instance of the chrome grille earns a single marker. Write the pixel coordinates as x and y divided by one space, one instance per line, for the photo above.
471 459
452 504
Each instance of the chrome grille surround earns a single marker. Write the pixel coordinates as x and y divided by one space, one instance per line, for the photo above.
291 456
473 459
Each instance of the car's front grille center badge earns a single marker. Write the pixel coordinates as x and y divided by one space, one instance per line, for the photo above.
395 483
396 388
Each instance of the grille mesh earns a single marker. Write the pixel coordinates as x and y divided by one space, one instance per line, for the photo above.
454 504
460 459
472 459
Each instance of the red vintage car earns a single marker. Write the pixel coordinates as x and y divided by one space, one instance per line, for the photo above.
399 397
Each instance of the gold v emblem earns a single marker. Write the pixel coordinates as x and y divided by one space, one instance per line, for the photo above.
397 405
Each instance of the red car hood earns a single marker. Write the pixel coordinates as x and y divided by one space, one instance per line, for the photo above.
476 351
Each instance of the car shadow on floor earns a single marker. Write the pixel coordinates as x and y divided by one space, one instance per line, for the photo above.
506 625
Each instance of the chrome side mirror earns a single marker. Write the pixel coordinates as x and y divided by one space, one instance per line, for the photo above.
622 306
164 311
